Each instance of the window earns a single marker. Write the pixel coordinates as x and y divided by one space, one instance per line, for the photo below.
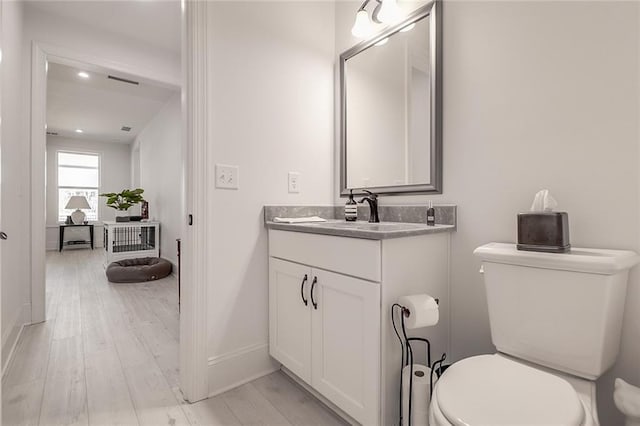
78 174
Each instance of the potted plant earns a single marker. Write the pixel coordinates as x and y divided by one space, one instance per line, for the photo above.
123 201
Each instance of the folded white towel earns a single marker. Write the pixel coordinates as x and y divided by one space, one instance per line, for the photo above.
298 219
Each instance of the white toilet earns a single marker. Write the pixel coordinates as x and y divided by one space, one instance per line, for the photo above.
556 322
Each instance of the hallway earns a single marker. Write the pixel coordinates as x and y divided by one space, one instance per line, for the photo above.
108 354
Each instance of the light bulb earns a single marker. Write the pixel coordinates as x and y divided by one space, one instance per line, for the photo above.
389 11
362 26
408 28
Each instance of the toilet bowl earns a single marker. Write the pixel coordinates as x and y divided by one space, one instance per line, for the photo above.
497 390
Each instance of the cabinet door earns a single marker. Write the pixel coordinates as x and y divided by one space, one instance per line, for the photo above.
289 317
346 343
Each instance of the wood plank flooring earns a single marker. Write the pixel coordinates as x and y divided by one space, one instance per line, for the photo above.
108 355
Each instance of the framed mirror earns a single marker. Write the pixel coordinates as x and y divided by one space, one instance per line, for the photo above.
391 109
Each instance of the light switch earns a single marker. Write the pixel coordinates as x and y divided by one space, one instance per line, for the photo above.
294 182
227 177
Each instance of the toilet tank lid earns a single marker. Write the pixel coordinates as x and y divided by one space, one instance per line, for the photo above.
588 260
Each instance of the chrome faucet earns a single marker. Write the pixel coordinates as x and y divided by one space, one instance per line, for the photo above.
372 199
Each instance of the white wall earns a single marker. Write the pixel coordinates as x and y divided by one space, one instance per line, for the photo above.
160 173
271 109
135 165
538 95
15 179
115 175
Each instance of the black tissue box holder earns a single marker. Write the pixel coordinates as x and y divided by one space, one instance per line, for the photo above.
547 232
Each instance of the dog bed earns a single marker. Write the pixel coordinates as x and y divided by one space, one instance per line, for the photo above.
138 270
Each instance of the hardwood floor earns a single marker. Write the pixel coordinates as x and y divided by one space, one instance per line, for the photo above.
108 355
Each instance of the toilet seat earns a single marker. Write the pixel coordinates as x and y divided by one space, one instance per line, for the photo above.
494 390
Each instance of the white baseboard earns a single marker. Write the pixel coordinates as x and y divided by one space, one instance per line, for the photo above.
230 370
11 336
7 362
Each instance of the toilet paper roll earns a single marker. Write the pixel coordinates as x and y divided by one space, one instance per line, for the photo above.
423 310
420 396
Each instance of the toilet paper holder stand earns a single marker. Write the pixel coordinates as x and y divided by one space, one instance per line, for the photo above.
438 367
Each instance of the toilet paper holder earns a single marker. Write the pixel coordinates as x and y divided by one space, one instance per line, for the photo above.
438 367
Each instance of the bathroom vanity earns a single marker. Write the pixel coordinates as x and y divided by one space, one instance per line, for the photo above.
331 287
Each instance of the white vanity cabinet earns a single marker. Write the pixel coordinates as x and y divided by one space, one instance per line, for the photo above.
290 317
329 313
332 342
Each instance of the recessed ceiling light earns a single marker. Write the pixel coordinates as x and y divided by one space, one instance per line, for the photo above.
83 74
79 130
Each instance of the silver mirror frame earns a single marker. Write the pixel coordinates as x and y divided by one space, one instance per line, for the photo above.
434 11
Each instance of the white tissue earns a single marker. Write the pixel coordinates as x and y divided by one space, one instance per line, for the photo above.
423 310
420 396
543 202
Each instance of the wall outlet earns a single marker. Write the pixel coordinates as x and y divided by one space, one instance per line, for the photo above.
294 182
227 177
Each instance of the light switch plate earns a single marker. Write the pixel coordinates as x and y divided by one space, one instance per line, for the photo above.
294 182
227 177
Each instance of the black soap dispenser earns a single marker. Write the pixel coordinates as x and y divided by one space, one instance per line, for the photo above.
431 214
351 208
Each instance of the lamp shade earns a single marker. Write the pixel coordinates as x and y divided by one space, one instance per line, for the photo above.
78 202
388 12
362 27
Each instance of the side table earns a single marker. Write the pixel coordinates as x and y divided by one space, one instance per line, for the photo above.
65 226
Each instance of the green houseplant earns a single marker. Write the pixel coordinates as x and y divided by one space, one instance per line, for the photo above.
123 201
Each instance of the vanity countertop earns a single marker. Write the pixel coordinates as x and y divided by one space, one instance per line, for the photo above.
362 229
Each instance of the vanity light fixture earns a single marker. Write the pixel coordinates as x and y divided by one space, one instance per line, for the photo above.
389 12
83 74
385 12
362 28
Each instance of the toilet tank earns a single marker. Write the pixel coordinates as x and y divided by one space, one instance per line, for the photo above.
563 311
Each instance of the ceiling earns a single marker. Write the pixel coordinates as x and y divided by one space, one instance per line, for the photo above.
155 22
98 105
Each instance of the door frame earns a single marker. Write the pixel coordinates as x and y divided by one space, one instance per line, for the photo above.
1 72
193 318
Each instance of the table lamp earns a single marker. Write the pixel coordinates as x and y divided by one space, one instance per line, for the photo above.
78 202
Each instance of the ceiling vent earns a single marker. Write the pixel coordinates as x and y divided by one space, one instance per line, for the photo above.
52 133
123 80
125 128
